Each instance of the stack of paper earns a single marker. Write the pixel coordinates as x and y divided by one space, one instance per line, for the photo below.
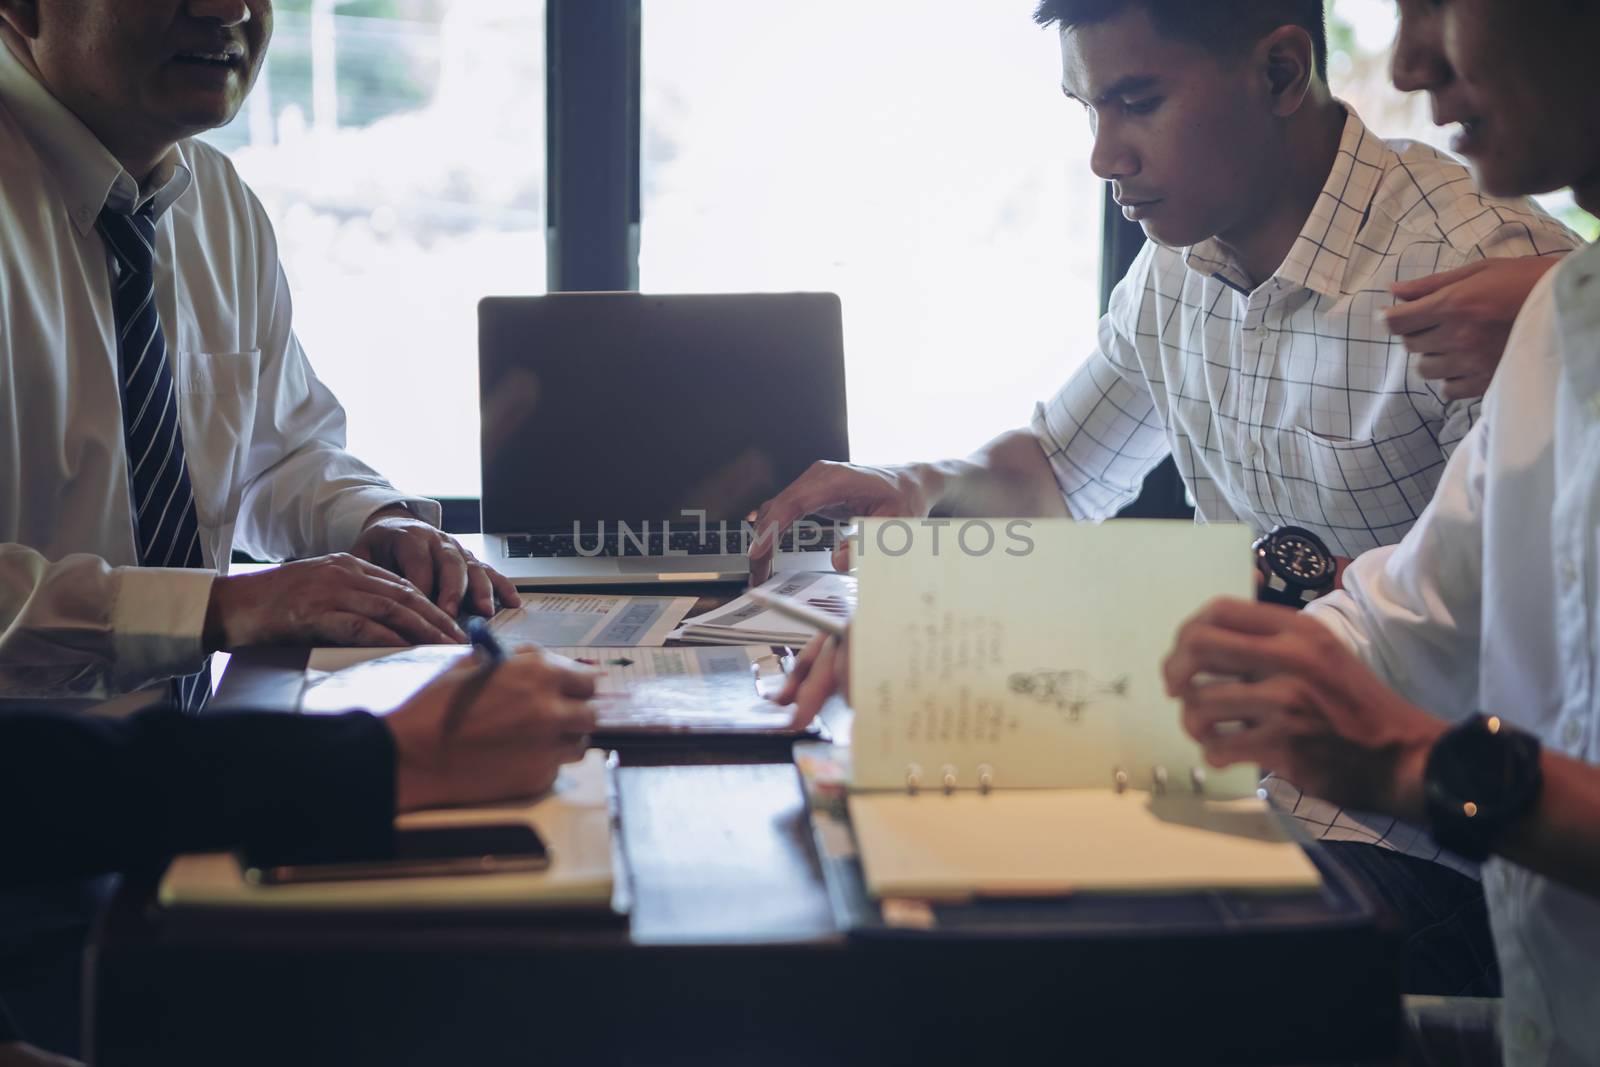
744 622
1045 842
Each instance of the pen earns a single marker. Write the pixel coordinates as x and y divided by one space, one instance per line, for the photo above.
793 609
482 637
494 654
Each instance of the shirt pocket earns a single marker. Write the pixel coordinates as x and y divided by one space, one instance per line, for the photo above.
1353 492
217 397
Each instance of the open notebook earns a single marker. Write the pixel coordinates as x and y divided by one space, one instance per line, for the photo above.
1012 734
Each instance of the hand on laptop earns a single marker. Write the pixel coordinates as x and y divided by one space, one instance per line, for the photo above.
491 731
330 600
434 562
1458 322
836 491
821 670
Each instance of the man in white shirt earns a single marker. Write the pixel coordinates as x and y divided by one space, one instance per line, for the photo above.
1492 602
1249 341
156 410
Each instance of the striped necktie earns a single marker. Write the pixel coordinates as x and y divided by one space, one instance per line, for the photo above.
165 525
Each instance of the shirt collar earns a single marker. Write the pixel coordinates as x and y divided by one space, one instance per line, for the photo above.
1320 254
89 176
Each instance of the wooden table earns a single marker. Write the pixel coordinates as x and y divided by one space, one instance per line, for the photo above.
730 956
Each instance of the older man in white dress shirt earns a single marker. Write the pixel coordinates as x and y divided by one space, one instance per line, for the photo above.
156 410
1492 601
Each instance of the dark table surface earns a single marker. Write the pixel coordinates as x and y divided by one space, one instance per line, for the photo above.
730 955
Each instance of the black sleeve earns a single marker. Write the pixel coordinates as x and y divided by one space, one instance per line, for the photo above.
8 1029
82 795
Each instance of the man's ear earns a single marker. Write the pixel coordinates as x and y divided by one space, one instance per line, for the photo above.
21 16
1287 59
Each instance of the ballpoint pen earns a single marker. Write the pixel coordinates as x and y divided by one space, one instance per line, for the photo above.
482 637
494 654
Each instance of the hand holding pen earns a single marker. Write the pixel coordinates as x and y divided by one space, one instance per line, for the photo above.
497 725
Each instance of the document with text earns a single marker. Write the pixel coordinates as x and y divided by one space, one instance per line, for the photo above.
650 690
588 619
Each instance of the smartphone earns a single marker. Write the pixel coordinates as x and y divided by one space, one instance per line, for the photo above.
420 852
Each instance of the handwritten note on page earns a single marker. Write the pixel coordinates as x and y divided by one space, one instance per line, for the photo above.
1036 661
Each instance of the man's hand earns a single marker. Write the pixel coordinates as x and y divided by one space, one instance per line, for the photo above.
434 562
1268 685
1458 322
330 600
821 670
837 491
19 1054
483 732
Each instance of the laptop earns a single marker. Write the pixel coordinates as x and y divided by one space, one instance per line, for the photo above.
627 437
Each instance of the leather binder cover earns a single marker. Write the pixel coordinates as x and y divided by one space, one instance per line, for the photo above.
1334 908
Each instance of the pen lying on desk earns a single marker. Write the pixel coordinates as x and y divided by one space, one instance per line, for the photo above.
794 609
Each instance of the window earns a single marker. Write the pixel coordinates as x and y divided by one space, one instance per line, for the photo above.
398 146
1361 37
917 159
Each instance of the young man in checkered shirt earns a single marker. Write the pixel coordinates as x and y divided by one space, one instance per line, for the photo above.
1306 334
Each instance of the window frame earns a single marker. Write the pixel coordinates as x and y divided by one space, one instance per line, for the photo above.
593 101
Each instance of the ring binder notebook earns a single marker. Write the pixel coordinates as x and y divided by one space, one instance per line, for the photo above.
950 779
991 753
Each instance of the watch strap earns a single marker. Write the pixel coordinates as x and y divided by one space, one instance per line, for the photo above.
1274 590
1471 826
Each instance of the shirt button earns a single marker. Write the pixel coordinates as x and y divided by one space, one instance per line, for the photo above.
1252 449
1572 733
1569 573
1528 1033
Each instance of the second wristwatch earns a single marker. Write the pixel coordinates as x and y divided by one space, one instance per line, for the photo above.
1295 565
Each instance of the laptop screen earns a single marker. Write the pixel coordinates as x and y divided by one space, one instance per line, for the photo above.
632 407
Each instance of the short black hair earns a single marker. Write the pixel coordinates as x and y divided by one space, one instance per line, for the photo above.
1216 24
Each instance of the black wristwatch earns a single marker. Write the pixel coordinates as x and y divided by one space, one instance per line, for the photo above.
1482 777
1296 565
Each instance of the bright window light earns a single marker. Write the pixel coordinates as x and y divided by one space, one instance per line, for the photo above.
918 159
398 146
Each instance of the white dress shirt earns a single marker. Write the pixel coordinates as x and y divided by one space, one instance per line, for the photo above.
1288 401
265 438
1492 603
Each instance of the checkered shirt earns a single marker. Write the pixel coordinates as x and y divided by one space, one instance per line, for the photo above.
1288 401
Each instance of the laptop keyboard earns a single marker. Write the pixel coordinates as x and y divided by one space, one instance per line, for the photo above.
687 542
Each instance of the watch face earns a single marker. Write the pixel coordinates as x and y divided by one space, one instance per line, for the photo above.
1296 557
